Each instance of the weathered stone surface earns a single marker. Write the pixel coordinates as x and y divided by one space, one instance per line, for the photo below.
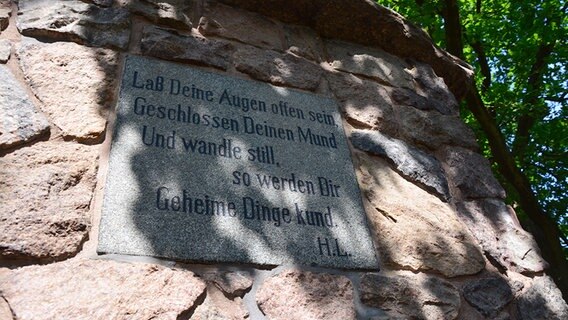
369 62
5 48
408 295
368 105
543 300
5 312
218 307
172 13
468 312
521 252
501 236
469 173
75 84
412 228
364 103
46 191
20 121
5 13
433 130
389 316
434 89
103 3
304 42
75 21
503 315
410 98
306 295
412 163
232 284
99 289
236 24
516 286
279 69
163 44
489 295
366 23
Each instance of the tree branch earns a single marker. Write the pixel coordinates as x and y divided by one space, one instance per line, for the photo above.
483 64
555 156
528 119
556 99
452 28
534 84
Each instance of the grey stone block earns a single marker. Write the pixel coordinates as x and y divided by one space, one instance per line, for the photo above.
205 167
20 120
489 296
414 164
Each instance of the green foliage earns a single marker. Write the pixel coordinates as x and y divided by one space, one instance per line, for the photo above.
522 80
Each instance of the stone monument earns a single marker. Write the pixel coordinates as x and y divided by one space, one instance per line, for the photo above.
247 159
211 168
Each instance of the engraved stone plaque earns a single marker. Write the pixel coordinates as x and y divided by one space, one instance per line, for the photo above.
211 168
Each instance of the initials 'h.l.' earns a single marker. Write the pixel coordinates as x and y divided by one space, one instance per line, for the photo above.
331 248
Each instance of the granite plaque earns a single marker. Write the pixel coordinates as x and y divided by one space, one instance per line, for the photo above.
211 168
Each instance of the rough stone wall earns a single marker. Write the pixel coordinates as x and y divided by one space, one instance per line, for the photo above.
449 247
